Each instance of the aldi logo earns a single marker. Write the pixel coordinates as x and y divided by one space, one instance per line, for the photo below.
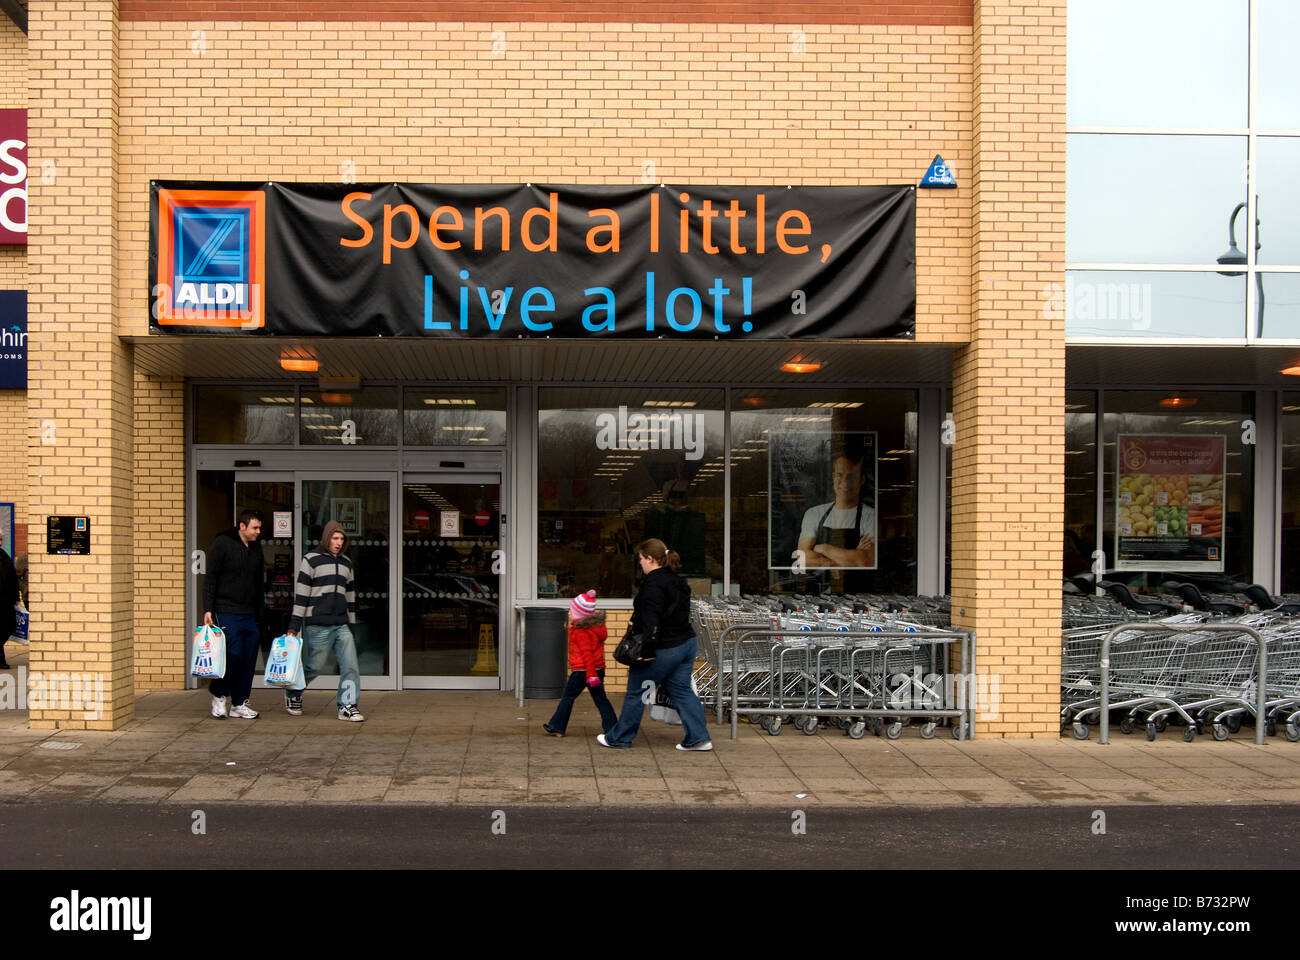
211 258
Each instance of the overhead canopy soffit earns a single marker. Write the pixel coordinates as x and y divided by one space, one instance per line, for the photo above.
555 361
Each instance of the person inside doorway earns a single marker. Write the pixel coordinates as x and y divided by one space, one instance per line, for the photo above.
325 611
841 533
9 595
232 600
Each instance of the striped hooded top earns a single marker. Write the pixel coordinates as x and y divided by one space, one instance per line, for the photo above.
324 595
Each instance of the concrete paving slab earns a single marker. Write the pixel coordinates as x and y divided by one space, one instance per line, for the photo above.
212 787
350 787
278 788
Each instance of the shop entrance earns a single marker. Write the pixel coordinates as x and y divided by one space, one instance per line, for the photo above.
295 508
426 550
451 580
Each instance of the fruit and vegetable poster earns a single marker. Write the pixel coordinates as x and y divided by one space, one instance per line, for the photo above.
1169 503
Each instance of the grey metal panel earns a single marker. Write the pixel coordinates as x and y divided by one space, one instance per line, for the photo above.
929 492
1268 490
1195 366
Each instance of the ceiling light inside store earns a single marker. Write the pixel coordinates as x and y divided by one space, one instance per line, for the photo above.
336 399
669 403
1290 372
449 402
1179 402
800 366
299 364
837 404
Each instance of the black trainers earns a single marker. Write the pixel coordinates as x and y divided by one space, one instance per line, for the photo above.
293 705
552 731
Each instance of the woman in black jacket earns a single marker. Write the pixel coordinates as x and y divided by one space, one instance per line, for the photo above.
661 612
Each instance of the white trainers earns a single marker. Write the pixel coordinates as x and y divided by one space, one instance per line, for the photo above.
350 713
243 712
697 747
219 707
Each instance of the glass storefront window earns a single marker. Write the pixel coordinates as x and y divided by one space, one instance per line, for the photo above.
1122 207
616 466
823 491
1278 70
1214 515
364 416
1161 63
1080 482
1277 206
1280 312
227 414
438 417
1142 304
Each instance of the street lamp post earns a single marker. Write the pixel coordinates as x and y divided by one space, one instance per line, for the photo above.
1235 258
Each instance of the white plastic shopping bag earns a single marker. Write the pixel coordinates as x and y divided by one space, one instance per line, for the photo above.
662 709
209 657
284 662
21 623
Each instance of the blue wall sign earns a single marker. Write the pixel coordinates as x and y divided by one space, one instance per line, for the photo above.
939 174
13 339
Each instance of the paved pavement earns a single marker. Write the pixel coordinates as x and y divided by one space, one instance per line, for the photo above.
445 747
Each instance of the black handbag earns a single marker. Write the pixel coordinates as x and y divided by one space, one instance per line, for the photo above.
632 647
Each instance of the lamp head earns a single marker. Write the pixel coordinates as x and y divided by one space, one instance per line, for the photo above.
1233 257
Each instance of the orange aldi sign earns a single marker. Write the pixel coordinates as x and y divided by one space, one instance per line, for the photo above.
211 258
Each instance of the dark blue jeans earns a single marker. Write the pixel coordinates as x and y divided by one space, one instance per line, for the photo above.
572 690
673 668
242 640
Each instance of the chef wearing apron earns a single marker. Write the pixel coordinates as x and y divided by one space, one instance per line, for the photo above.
841 533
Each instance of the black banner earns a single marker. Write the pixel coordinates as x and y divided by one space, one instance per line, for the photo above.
573 262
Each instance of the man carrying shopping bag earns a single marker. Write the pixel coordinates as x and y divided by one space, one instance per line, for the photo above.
232 600
324 609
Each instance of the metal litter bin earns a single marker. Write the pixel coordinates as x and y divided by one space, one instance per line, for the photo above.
546 652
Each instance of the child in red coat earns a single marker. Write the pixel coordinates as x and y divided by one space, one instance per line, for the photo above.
587 661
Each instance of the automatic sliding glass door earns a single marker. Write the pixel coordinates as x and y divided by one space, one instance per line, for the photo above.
451 582
364 508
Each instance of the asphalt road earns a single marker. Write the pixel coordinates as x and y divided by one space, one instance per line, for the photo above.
369 836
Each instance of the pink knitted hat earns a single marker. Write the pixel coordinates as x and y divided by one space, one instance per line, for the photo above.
583 606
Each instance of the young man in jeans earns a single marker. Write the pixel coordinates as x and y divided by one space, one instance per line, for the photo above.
324 609
233 601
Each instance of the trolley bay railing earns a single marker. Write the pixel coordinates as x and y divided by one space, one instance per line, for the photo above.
1173 674
854 675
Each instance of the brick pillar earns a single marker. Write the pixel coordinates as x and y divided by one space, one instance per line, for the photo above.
1009 381
161 559
80 378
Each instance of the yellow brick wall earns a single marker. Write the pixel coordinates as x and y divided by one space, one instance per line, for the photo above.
570 103
160 635
1009 383
80 376
13 66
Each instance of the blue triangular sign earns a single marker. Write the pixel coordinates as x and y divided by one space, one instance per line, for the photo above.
939 174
